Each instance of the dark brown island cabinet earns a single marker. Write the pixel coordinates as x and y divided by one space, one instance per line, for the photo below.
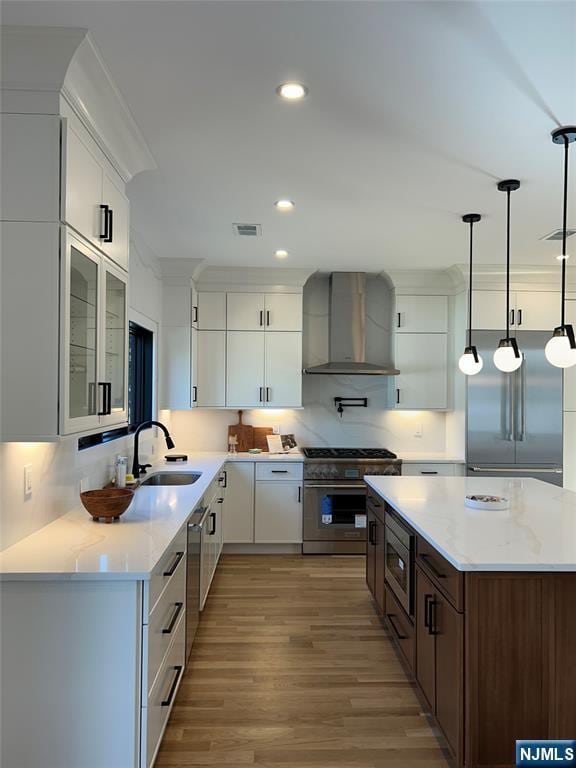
492 653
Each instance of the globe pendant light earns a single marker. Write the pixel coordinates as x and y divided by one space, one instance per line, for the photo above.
470 362
561 349
507 357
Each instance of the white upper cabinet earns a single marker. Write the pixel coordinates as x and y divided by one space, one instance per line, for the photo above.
421 314
283 312
264 312
246 312
210 378
245 385
211 313
283 375
194 308
423 363
529 310
93 198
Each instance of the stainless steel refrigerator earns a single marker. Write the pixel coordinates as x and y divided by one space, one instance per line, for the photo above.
514 420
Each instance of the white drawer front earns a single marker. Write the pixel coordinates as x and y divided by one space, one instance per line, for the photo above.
163 572
281 470
162 696
426 470
162 625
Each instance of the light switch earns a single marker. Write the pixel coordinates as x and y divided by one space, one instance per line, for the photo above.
27 479
418 430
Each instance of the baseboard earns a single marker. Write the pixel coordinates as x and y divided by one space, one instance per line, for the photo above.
262 549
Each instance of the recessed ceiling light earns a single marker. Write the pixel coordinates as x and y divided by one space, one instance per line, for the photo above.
292 91
280 254
284 205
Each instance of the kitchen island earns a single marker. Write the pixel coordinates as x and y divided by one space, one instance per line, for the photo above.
481 606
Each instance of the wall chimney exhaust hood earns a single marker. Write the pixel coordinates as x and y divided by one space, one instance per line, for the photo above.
347 339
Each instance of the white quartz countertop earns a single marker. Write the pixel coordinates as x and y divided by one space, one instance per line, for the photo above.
537 533
75 547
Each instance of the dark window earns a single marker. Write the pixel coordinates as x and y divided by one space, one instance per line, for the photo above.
140 375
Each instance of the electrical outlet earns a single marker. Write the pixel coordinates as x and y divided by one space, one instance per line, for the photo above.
276 429
84 484
27 479
418 430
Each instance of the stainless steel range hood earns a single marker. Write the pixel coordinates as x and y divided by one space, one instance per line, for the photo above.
347 336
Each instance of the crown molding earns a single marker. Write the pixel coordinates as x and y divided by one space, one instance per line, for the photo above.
528 277
269 279
40 63
426 282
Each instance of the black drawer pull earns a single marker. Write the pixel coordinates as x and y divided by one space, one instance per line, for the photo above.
427 601
432 628
428 472
223 479
168 630
168 701
279 471
104 220
400 636
170 571
212 531
432 567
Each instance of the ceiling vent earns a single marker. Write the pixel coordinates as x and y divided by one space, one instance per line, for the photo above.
557 234
247 230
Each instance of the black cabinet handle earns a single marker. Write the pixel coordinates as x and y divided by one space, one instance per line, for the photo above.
519 317
279 471
371 529
261 394
397 396
299 494
212 531
168 630
511 317
267 317
194 394
110 225
103 235
109 390
399 320
398 634
168 701
195 316
268 394
170 571
428 472
223 479
427 599
432 567
261 317
432 628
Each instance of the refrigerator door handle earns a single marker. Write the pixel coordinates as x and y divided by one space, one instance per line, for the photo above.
521 436
530 470
508 428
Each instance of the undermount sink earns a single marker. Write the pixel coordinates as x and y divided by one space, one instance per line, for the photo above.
172 478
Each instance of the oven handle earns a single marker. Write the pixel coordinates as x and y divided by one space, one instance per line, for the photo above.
335 487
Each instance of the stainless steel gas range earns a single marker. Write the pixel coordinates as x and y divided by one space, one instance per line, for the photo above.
335 497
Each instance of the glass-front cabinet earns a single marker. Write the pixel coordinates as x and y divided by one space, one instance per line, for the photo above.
94 351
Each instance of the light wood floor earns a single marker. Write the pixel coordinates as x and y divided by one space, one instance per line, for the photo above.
291 668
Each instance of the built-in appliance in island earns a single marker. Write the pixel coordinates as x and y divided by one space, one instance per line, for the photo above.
335 497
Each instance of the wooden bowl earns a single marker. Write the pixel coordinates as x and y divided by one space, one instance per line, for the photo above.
107 504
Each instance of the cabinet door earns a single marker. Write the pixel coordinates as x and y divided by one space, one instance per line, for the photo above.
283 312
489 310
211 314
83 186
380 547
421 314
448 626
245 369
239 503
175 367
114 363
194 308
211 370
118 218
426 470
537 310
425 645
193 367
278 513
423 363
283 357
371 523
81 297
245 312
570 373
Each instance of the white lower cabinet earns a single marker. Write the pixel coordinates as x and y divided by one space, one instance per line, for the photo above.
212 540
278 512
238 512
422 359
430 469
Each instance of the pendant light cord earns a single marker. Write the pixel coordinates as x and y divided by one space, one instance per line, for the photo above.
564 230
470 292
508 263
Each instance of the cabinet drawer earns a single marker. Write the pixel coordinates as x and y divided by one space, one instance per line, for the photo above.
448 579
279 471
426 469
376 504
162 695
159 632
401 627
163 572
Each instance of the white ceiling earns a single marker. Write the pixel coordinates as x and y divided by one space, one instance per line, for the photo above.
415 111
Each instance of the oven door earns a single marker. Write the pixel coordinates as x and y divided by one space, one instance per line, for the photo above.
398 569
334 511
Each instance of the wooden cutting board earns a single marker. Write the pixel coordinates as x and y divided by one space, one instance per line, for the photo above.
260 437
244 433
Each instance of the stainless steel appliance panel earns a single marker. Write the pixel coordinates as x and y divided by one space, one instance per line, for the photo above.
193 564
399 562
334 511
